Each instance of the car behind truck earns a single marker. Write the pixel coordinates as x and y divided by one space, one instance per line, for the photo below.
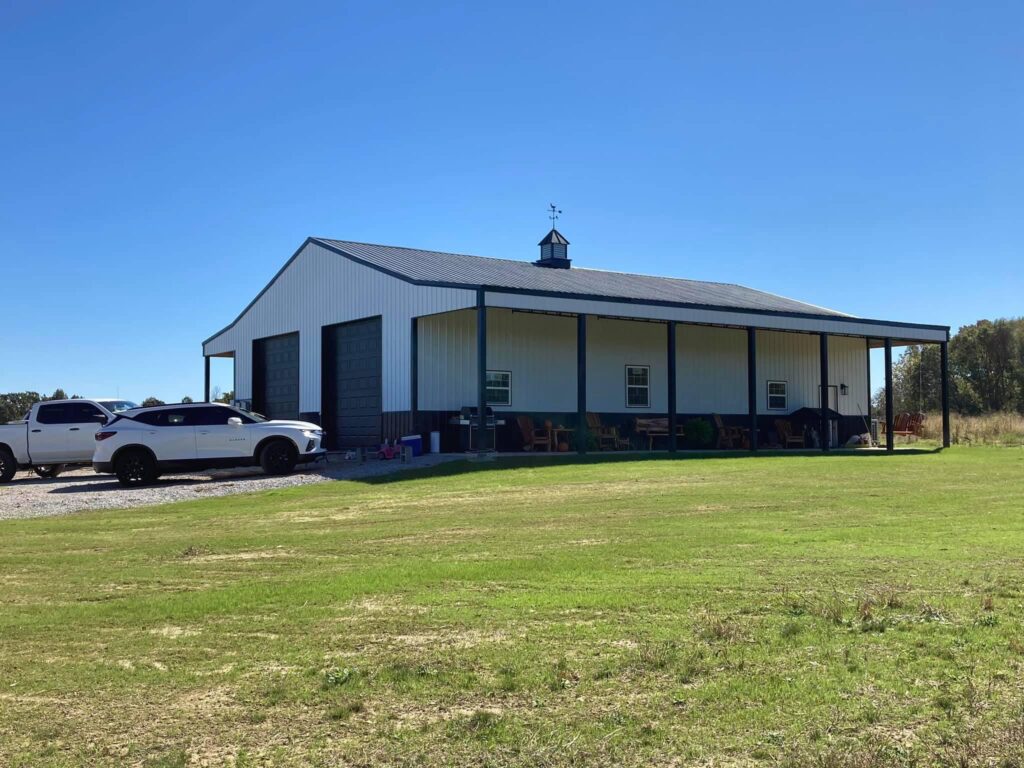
53 435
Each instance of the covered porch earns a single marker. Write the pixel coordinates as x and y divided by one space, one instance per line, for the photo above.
621 379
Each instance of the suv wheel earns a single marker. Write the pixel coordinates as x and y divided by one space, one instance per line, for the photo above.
278 457
50 470
8 466
135 468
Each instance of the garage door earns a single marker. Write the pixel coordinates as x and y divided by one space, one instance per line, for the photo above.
275 386
352 383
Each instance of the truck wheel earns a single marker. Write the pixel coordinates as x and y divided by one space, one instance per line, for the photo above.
51 470
135 468
8 466
278 457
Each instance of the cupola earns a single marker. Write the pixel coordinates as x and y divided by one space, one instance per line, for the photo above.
554 251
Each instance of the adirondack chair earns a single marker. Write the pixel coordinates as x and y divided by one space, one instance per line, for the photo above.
607 437
533 437
729 437
787 436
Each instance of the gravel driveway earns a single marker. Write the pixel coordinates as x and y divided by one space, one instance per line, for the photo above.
80 489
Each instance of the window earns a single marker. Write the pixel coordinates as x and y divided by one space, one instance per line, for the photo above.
85 413
777 395
166 418
70 413
499 388
52 414
638 386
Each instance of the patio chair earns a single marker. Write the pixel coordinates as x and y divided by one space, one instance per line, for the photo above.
533 437
729 437
607 437
786 435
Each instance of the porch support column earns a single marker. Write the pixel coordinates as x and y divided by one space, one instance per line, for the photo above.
867 349
581 384
944 357
672 387
206 378
752 385
825 441
481 371
414 374
890 438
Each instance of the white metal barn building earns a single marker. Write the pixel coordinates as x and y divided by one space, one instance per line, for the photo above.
376 342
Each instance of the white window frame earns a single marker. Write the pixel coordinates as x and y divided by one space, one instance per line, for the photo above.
507 388
784 395
646 387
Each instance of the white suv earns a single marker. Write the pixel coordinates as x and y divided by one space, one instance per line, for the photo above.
140 444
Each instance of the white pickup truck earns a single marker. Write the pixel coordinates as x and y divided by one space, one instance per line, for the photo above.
53 434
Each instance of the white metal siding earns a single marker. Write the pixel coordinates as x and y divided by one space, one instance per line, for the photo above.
614 344
539 351
711 369
322 288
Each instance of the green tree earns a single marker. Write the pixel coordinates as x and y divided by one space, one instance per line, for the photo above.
186 399
150 401
14 405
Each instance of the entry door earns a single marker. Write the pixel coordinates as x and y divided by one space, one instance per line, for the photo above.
276 376
352 383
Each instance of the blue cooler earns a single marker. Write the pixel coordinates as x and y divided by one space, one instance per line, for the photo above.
415 442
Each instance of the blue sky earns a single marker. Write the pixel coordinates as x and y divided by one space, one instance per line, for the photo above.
159 162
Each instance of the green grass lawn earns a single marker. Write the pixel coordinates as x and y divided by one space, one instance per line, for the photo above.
779 610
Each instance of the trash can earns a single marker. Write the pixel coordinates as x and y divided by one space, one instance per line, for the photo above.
435 442
415 442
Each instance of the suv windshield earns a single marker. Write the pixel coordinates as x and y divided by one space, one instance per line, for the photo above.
117 406
250 414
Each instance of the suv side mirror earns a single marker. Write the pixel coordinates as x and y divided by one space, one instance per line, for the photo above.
99 418
234 421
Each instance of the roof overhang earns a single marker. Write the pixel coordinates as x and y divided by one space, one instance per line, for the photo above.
899 333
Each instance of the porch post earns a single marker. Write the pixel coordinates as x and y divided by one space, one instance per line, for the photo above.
752 385
414 374
867 349
825 441
581 384
944 357
206 378
481 371
890 438
672 387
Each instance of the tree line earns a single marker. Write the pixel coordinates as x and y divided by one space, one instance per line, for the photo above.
986 372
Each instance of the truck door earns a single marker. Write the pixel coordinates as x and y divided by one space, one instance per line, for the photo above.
48 433
84 420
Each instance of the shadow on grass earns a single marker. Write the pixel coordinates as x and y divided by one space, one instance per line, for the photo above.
469 465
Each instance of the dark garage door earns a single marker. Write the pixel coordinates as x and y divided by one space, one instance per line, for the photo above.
352 383
275 372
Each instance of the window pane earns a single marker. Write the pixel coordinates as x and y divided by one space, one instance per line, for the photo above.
52 414
83 413
637 397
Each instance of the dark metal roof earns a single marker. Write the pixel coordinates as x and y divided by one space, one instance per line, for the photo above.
461 270
554 236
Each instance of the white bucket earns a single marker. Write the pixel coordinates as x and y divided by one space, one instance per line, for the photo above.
435 442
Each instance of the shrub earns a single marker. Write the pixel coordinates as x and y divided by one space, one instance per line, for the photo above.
698 433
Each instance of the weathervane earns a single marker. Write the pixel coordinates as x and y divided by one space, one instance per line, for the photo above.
553 214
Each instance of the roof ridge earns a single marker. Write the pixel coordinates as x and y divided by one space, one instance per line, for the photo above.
530 263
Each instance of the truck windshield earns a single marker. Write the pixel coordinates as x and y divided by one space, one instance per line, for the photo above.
117 406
